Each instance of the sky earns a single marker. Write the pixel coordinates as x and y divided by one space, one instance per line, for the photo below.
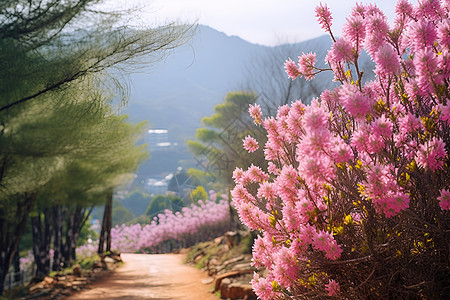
265 22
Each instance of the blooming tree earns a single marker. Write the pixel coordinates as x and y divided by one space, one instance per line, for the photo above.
170 230
355 201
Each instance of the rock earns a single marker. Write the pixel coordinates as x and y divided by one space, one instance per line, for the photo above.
76 270
242 266
78 283
221 277
236 290
233 260
218 240
36 287
232 238
48 280
198 258
40 293
208 280
116 257
97 265
108 259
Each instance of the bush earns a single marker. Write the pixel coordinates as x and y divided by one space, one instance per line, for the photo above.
355 200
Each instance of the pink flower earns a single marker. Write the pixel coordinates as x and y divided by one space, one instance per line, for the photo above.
263 288
325 242
382 127
431 154
238 173
291 69
256 174
421 34
306 65
444 112
341 152
332 288
431 9
354 101
286 267
341 50
314 117
255 113
376 29
354 31
388 61
323 15
444 200
443 33
426 65
250 144
408 123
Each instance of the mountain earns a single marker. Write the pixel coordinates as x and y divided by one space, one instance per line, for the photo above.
180 90
184 87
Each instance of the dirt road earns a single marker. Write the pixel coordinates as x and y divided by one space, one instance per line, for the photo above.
156 276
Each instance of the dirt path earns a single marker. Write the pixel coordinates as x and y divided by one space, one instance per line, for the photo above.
144 276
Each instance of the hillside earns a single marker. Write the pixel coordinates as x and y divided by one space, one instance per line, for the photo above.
181 89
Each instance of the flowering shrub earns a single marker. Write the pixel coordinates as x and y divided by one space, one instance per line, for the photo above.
174 230
354 203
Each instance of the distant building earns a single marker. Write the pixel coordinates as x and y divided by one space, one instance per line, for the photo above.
158 140
182 185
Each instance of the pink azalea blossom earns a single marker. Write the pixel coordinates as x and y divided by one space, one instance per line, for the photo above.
332 288
388 61
354 31
354 101
306 64
323 15
250 144
341 50
255 113
292 69
431 154
444 200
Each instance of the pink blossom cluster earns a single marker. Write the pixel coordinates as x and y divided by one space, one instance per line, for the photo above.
87 250
362 150
174 230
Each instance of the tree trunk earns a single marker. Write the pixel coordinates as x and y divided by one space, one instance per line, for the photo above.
16 262
57 239
11 230
69 237
42 234
105 232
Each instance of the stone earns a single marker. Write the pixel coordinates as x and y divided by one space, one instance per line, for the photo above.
109 260
232 238
207 280
218 240
233 260
36 287
97 265
76 270
242 266
198 258
48 280
236 290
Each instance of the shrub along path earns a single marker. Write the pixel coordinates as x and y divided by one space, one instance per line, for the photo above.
150 276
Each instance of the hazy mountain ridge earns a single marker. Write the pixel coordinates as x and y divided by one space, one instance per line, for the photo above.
178 91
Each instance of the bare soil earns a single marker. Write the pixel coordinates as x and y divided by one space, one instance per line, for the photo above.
150 276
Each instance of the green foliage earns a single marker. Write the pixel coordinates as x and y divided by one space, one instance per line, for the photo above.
162 202
120 215
137 202
86 232
219 143
198 194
